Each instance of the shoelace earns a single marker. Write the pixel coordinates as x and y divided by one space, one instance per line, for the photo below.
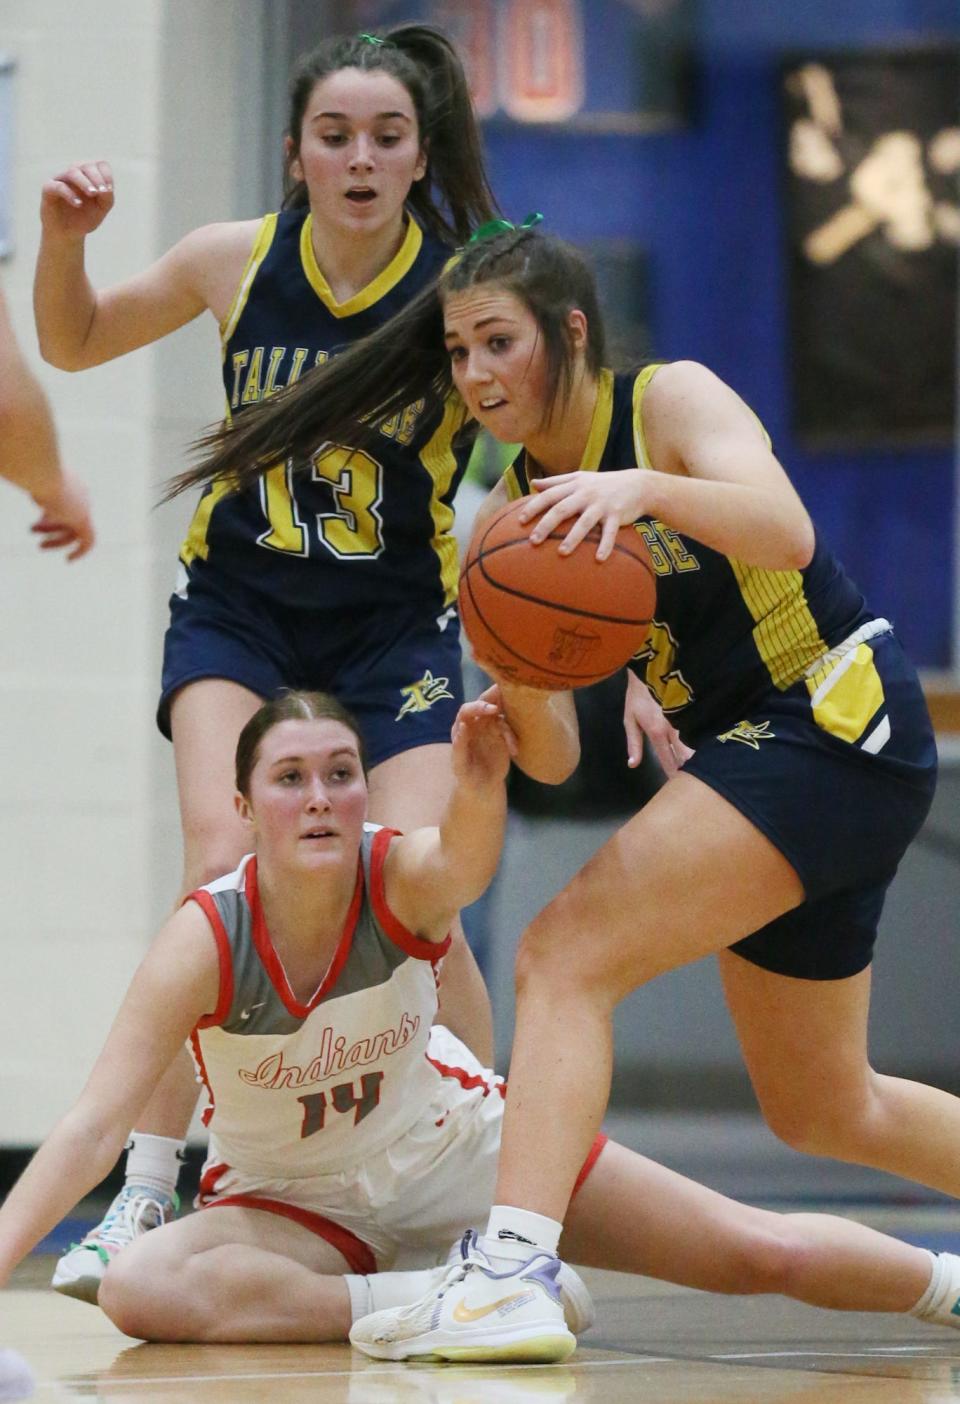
126 1219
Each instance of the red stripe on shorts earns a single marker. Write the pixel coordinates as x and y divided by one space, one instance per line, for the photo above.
467 1080
590 1161
359 1255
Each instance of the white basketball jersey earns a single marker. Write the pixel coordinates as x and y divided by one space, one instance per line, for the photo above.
303 1089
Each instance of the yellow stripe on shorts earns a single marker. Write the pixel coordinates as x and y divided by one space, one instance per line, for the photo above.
846 693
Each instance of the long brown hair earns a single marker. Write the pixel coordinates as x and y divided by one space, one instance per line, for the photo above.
454 196
289 706
405 360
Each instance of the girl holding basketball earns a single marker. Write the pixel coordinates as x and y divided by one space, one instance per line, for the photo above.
344 579
805 761
351 1137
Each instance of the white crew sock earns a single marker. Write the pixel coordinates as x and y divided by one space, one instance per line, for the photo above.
512 1234
941 1301
382 1290
154 1162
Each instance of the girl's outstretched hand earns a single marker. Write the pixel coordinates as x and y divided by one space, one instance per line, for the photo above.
66 518
76 201
483 742
610 500
643 716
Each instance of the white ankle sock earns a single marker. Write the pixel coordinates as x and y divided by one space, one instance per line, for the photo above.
512 1233
941 1301
385 1289
154 1162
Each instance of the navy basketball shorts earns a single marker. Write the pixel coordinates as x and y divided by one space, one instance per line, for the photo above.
839 773
397 670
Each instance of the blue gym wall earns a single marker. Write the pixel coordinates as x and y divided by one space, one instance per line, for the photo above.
706 203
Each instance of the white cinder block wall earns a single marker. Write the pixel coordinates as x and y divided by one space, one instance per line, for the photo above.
168 91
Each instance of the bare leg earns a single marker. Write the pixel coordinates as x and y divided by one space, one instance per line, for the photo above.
633 1215
409 791
649 901
206 719
805 1046
229 1274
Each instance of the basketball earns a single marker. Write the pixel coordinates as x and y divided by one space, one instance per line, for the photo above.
550 621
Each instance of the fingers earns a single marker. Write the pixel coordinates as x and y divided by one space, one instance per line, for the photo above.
58 534
86 187
634 734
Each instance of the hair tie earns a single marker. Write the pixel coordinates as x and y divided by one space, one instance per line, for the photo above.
371 39
493 227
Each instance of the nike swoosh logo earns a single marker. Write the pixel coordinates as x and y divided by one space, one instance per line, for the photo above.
465 1313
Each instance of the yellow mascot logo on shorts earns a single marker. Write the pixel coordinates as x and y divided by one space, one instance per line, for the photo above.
421 695
750 733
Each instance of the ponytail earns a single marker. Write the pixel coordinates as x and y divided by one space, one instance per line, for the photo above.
454 195
345 399
348 398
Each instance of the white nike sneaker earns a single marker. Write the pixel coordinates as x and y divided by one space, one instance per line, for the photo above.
134 1212
578 1309
476 1313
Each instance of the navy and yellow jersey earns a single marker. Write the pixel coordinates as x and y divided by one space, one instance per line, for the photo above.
724 631
367 526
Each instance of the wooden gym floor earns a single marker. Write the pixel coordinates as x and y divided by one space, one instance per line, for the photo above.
652 1342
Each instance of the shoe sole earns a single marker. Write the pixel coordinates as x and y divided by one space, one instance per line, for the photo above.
542 1346
83 1289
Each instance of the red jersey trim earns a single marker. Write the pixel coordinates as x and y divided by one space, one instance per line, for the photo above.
399 934
359 1255
224 956
201 1065
271 960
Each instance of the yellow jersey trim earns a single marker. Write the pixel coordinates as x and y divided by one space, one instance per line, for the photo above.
261 246
785 632
597 436
195 542
639 390
438 459
599 424
401 263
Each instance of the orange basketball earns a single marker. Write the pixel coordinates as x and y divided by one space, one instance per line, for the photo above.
553 621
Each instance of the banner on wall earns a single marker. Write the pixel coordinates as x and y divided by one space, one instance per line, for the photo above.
873 220
594 65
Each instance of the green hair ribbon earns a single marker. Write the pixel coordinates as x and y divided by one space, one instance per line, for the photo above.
371 39
493 227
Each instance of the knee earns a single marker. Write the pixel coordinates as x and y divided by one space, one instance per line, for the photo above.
769 1260
123 1298
545 961
833 1129
557 960
141 1298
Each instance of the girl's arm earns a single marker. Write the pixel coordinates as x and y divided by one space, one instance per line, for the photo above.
716 480
175 986
431 873
30 454
79 327
545 727
544 724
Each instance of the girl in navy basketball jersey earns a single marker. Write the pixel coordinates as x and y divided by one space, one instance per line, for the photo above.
800 753
350 1136
344 578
